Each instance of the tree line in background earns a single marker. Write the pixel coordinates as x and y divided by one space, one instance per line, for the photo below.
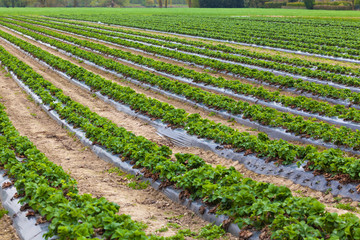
157 3
170 3
221 3
124 3
89 3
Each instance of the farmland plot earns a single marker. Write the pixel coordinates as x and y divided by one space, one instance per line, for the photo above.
260 142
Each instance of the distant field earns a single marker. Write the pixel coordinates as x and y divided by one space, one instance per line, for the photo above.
186 11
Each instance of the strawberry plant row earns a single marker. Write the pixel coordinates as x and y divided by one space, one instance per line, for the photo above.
338 57
314 29
300 102
178 136
325 77
48 190
218 47
194 124
263 115
262 76
236 30
247 202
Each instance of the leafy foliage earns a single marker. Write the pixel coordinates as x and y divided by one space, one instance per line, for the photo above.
221 3
309 4
3 212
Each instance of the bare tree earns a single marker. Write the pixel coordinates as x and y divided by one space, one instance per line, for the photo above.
160 3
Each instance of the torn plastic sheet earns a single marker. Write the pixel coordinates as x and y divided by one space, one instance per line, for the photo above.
274 132
26 227
293 90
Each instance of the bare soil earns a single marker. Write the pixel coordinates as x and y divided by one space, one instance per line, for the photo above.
7 231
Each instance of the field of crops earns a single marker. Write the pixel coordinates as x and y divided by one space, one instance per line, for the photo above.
179 126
